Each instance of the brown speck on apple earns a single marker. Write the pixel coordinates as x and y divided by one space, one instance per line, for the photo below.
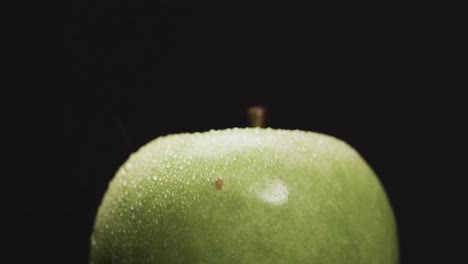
219 183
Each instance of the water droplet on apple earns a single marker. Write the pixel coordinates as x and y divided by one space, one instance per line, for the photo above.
155 177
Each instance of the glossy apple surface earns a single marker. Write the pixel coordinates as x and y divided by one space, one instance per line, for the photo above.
246 195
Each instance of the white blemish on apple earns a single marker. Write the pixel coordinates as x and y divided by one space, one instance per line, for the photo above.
275 193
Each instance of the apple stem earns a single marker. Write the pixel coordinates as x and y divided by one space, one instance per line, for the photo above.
256 116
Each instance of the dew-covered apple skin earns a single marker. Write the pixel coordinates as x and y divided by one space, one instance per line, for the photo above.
246 195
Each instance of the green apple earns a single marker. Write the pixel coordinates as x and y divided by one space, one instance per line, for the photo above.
245 195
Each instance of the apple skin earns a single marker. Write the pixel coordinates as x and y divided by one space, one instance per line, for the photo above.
245 195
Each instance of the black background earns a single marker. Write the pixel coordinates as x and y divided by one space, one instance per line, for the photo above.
95 82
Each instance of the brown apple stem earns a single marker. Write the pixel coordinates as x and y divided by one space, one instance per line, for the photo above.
256 116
